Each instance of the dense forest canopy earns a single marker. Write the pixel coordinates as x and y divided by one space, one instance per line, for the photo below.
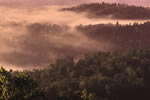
104 75
97 76
115 11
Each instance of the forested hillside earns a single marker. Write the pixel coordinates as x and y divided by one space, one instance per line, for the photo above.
116 11
121 74
100 76
124 37
64 55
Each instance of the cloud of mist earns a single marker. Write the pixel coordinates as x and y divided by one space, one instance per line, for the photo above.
35 36
41 43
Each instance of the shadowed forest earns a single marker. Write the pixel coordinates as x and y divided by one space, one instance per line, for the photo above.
122 37
95 51
118 11
98 76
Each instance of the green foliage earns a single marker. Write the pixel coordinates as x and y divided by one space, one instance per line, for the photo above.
87 96
18 86
98 76
78 95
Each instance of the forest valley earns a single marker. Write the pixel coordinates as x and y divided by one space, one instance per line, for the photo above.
119 70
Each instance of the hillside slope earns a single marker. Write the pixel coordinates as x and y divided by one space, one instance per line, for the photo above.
116 11
124 37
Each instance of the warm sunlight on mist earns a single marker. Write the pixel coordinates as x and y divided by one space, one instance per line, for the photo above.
20 47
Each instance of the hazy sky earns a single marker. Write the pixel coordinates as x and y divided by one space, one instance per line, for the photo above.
58 2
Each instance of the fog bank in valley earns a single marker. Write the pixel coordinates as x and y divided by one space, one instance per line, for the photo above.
36 36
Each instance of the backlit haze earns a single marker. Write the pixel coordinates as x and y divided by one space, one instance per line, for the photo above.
25 43
68 2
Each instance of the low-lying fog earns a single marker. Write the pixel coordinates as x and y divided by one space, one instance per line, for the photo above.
36 36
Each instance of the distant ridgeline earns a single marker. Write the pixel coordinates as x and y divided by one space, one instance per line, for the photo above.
124 37
116 11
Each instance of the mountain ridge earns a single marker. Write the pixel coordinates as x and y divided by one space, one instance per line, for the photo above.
111 10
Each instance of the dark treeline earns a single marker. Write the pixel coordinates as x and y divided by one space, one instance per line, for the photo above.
38 28
124 37
98 76
119 11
